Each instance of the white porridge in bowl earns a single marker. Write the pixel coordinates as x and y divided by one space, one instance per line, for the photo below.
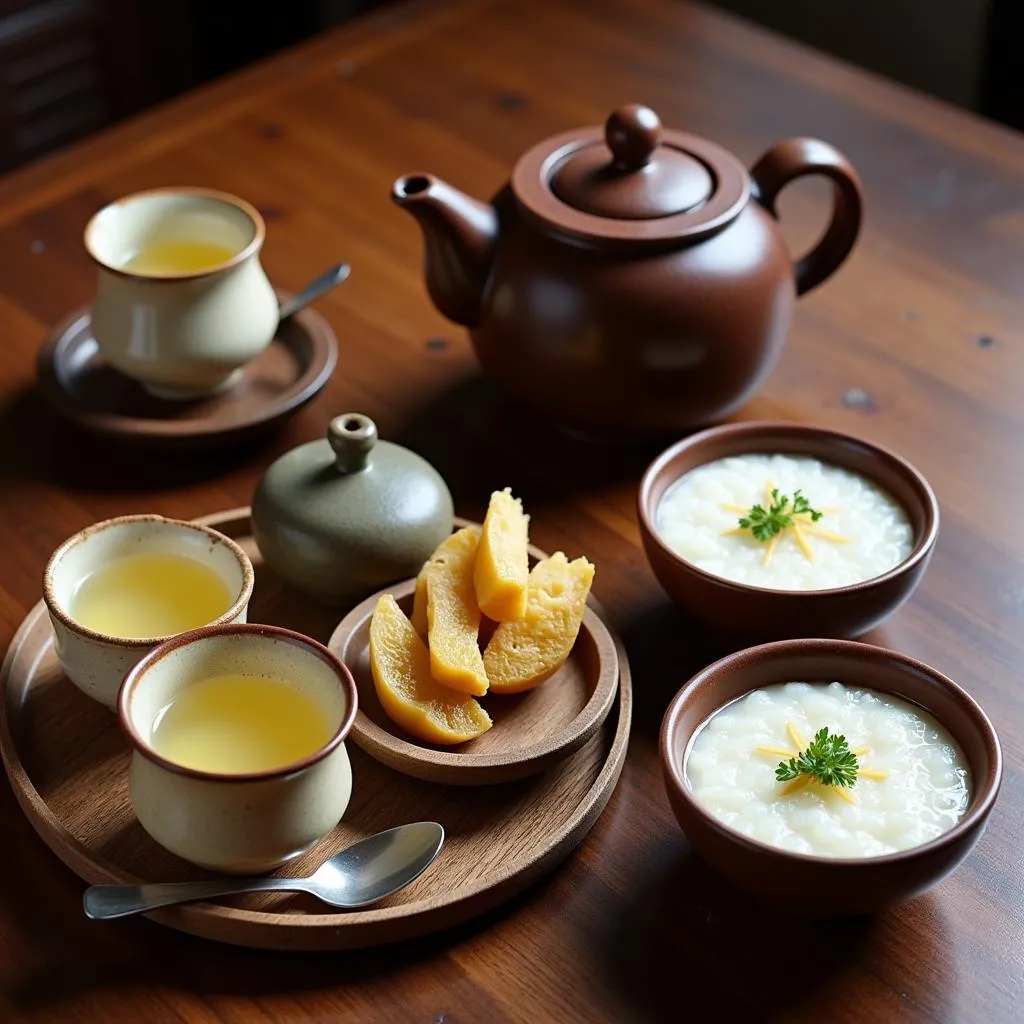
828 770
784 522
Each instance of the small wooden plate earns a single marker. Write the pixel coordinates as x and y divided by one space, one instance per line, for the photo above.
67 761
76 381
531 731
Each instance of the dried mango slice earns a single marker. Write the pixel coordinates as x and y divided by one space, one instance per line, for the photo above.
400 664
523 654
502 568
453 618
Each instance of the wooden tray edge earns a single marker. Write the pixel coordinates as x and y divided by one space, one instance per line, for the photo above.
398 924
358 929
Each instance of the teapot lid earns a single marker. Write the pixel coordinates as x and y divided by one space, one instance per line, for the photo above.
631 181
630 175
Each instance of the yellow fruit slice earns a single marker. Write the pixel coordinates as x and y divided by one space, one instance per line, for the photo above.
409 695
419 601
521 655
440 556
501 567
453 618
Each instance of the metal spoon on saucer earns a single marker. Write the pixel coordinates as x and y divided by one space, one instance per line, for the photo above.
363 873
321 286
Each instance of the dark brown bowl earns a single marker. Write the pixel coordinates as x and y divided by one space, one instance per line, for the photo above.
759 613
824 886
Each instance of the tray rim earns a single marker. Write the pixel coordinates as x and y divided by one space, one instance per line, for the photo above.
139 430
345 930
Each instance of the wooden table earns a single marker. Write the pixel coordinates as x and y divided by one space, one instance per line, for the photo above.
918 343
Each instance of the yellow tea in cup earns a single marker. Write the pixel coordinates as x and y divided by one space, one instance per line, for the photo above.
157 258
235 724
150 595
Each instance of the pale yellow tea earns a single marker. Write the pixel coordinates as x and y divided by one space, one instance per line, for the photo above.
149 595
160 258
234 725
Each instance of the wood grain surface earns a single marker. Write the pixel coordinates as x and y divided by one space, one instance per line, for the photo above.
916 343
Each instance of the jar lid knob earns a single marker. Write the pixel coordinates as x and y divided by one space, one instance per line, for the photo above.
352 436
632 133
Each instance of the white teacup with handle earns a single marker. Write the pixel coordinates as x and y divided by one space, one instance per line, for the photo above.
182 301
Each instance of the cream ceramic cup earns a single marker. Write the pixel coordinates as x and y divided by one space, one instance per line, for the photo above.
239 824
98 662
182 334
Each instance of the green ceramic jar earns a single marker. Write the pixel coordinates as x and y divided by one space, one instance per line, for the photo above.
342 517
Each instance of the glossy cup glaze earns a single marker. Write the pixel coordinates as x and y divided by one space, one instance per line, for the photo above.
826 886
98 662
181 334
759 613
240 824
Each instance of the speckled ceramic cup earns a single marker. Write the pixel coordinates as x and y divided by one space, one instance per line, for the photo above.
98 662
180 334
240 824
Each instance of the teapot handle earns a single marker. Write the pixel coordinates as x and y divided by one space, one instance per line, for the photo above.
793 158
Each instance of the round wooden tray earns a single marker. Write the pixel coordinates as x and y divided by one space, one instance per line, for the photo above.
531 731
67 760
82 387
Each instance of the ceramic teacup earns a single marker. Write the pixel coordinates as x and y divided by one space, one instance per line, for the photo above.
98 662
182 302
244 823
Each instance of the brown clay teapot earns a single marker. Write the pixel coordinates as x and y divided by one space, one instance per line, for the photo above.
631 279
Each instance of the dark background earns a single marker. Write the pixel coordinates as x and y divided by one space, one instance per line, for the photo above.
69 67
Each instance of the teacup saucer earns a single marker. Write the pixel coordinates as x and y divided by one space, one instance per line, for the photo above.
81 386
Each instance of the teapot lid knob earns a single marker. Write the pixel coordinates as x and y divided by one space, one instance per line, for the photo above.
632 133
352 436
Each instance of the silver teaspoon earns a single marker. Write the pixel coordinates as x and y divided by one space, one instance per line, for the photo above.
321 286
363 873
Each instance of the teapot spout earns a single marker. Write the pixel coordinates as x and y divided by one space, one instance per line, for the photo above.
460 235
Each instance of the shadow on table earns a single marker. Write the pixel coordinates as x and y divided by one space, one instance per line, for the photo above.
476 437
690 946
37 445
686 944
74 956
667 647
481 440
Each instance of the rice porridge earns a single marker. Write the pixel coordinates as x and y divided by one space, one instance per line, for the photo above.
832 527
912 780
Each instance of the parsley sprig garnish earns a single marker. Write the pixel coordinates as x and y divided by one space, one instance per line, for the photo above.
780 514
827 759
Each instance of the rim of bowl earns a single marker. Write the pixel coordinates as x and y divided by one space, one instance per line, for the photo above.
56 609
250 211
146 749
982 798
923 543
